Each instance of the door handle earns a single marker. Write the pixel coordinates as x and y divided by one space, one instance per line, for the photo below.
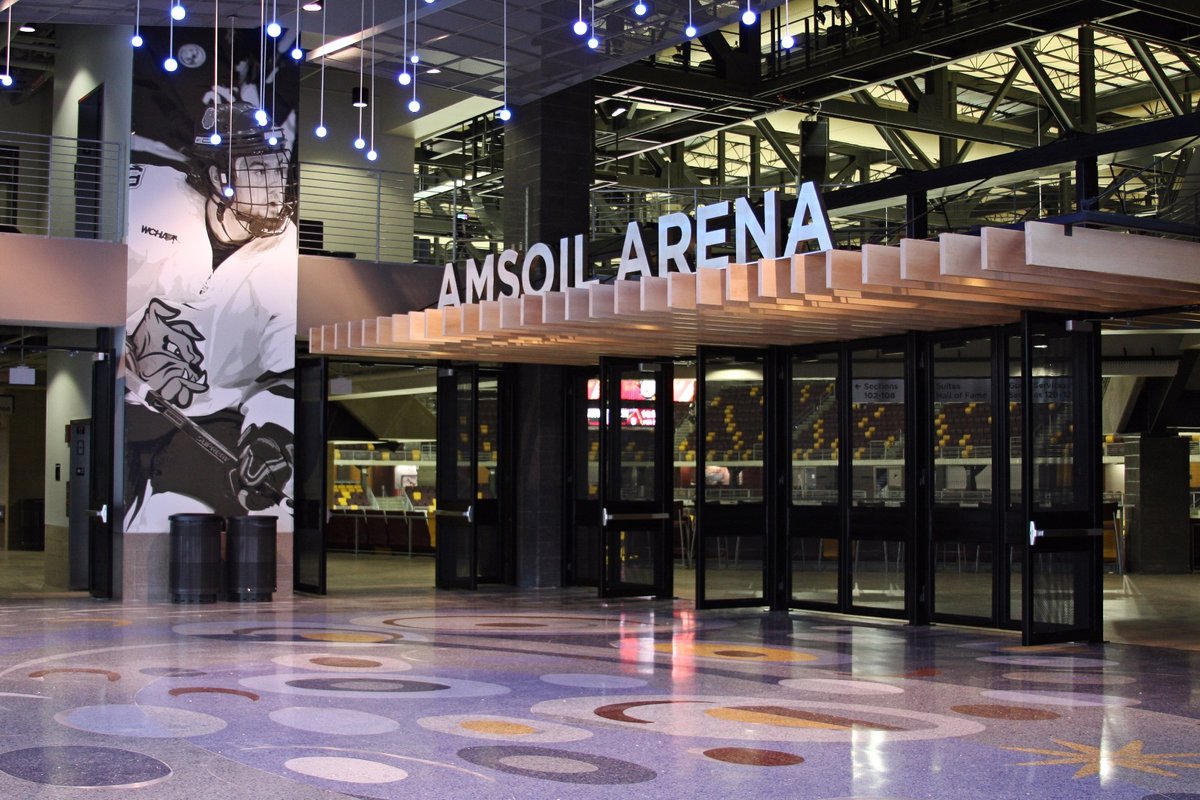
470 513
606 517
102 513
1034 533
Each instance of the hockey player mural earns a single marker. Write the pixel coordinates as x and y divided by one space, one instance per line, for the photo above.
210 334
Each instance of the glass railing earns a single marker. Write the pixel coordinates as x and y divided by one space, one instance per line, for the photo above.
61 186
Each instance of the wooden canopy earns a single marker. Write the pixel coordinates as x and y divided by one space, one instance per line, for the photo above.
957 281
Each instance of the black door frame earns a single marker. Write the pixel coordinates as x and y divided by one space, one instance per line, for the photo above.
650 516
310 481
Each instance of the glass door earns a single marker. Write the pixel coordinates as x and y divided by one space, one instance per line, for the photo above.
814 514
731 519
1061 597
583 480
635 478
309 478
100 470
458 482
963 524
880 518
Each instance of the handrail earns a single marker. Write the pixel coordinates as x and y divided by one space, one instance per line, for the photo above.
62 186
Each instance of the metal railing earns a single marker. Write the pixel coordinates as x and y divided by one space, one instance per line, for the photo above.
62 186
389 216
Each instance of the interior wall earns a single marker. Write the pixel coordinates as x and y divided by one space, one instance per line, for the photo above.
25 458
89 56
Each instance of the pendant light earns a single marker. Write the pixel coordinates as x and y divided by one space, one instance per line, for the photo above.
137 40
297 53
505 114
169 63
6 78
788 41
360 142
321 130
371 154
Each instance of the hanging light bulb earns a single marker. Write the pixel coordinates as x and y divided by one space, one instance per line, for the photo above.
580 27
641 8
170 64
505 114
215 138
321 130
360 143
297 53
372 155
274 29
414 105
404 78
272 140
137 40
414 58
178 12
748 16
227 191
6 77
593 42
690 31
788 41
260 116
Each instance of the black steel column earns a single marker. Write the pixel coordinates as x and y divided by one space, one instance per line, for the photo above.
547 176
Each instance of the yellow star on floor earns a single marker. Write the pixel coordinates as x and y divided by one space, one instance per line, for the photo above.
1091 758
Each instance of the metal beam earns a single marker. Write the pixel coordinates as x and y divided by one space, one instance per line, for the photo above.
1157 76
992 105
1006 135
779 145
1028 59
897 141
1060 151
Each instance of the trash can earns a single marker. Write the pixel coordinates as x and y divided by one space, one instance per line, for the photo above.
250 558
195 569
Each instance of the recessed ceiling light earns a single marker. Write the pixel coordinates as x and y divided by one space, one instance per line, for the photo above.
27 28
433 71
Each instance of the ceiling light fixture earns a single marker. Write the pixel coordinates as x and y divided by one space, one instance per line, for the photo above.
321 130
137 40
6 78
690 30
314 6
580 27
297 53
641 8
748 16
228 177
27 28
788 41
178 12
593 41
414 105
505 114
169 63
371 154
356 95
215 138
260 115
404 78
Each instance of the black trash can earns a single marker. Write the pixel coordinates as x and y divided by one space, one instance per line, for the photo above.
195 570
250 558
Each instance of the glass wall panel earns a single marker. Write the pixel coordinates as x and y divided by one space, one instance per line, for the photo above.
1015 516
879 525
963 523
732 516
814 516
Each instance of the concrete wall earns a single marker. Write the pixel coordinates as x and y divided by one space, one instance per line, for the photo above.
88 280
337 290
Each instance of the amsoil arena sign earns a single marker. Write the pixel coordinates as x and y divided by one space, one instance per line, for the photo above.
684 244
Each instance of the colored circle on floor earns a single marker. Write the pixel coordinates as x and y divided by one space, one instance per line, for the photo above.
1073 699
735 652
146 722
1072 678
337 662
1012 713
170 672
1058 662
286 634
334 721
753 757
500 728
79 766
587 680
520 624
755 719
836 686
563 766
346 770
376 686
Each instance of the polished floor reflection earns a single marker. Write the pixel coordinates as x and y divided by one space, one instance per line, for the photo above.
406 692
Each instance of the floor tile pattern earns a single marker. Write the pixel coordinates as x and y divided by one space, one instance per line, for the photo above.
553 694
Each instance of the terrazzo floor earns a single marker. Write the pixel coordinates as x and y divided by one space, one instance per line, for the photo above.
554 694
